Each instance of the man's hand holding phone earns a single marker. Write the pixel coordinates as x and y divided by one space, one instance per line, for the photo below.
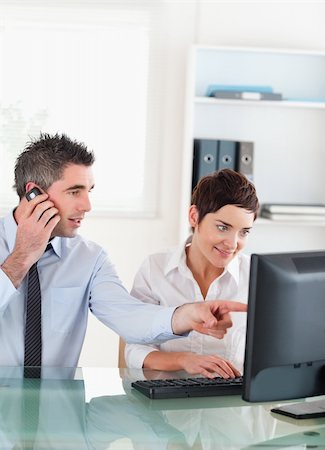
36 218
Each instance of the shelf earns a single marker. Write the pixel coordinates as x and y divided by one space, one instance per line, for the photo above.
295 74
288 135
292 223
260 103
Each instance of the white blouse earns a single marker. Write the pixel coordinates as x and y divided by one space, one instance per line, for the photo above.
165 279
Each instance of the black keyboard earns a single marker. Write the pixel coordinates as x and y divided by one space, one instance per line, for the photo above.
189 387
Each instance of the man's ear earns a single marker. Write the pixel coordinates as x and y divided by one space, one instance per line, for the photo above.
30 185
193 216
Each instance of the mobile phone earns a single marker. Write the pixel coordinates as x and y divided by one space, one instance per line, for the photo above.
32 193
303 410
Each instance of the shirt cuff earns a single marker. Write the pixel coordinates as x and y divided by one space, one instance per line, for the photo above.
162 325
7 290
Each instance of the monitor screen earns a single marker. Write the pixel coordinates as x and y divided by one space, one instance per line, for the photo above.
285 341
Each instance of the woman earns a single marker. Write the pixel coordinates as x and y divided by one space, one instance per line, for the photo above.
208 266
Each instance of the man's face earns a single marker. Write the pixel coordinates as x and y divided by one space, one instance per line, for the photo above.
70 194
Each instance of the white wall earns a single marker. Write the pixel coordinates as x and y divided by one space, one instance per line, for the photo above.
130 240
280 24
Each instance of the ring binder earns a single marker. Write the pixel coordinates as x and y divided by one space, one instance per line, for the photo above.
227 155
245 159
205 158
212 154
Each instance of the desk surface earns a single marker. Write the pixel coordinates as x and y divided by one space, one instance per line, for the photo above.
96 408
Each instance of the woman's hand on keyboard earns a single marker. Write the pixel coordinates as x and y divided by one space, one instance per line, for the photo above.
208 366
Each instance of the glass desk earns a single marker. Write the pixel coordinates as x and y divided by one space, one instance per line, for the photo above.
96 408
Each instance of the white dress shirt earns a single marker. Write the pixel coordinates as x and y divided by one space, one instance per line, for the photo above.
165 279
75 275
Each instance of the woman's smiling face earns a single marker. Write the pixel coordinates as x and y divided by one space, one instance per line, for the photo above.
220 235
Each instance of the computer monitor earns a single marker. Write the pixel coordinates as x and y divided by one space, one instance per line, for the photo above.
285 340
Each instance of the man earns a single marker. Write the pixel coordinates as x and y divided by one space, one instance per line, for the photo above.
74 274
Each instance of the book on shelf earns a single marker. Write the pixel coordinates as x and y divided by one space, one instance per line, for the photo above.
294 208
237 87
247 95
293 217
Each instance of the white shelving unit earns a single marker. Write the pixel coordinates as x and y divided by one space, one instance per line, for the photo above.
277 104
288 135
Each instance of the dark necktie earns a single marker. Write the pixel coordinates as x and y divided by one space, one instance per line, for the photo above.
33 329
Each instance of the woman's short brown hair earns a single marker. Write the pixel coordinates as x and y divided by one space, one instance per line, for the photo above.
221 188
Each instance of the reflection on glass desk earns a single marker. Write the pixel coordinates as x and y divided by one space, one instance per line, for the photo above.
96 408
